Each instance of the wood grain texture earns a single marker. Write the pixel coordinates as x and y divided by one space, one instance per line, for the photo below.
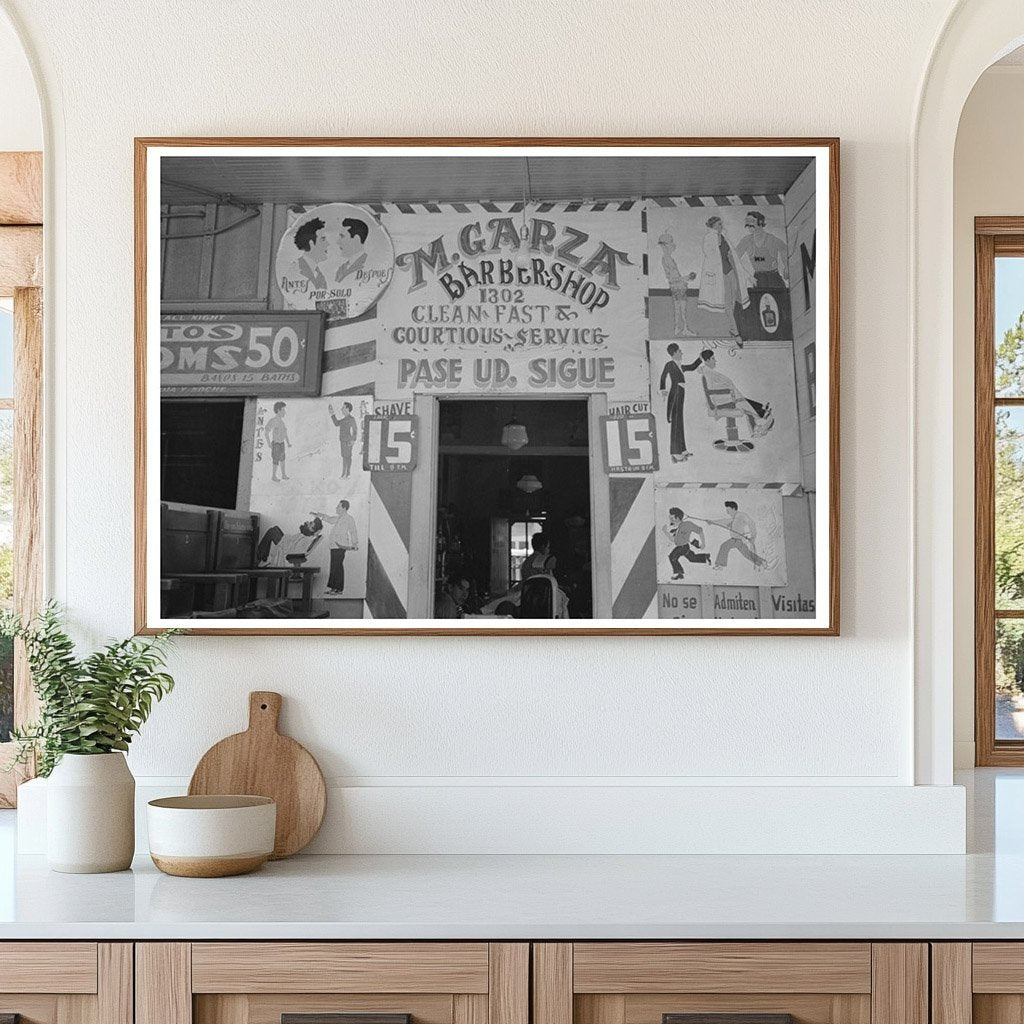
831 144
21 259
552 983
226 1009
633 967
346 1018
603 1009
21 188
899 990
262 762
163 983
951 983
998 1009
508 993
65 967
998 967
468 1009
304 967
115 995
31 1009
984 502
268 1009
805 1008
28 482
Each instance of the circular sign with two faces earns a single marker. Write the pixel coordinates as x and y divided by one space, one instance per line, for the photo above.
335 257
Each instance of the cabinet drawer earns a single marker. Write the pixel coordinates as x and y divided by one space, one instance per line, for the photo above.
64 967
332 983
635 967
66 982
340 967
730 983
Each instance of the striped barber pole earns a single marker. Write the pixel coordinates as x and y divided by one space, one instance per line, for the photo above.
387 558
724 200
349 365
633 560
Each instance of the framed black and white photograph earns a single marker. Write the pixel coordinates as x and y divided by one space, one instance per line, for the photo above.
487 386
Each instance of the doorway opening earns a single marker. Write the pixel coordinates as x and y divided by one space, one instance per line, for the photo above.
510 472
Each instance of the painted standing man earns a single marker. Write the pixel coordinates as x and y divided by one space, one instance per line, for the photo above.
743 539
276 433
687 538
347 434
344 537
768 254
673 387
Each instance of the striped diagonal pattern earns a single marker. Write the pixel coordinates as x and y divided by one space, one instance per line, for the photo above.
744 199
784 489
387 563
633 559
350 356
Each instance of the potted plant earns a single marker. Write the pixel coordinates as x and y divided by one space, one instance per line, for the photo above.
90 708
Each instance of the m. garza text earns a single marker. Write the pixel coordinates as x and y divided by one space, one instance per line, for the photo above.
566 243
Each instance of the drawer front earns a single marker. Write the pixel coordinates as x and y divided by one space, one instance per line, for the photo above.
730 983
333 983
66 982
755 967
340 967
64 967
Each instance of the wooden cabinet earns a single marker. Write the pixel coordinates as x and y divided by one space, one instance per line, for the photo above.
978 983
66 982
307 982
753 982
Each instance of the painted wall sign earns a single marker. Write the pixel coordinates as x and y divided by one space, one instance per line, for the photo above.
336 257
390 444
629 444
269 353
494 299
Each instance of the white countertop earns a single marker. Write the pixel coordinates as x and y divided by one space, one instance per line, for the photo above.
978 896
517 897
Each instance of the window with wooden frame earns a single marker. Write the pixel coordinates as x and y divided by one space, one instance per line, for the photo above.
21 365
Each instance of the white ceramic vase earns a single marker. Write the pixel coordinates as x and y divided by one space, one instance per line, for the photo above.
90 814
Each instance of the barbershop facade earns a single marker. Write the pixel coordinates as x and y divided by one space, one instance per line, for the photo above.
436 382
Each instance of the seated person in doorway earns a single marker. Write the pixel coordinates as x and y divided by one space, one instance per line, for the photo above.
344 537
688 538
453 598
723 393
541 559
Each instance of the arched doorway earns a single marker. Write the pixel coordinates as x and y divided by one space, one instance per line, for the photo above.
976 34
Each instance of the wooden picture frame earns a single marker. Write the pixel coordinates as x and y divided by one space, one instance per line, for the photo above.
511 221
993 237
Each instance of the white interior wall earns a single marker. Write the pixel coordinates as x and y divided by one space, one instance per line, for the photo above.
21 126
448 715
987 182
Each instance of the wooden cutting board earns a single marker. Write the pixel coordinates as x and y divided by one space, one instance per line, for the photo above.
262 762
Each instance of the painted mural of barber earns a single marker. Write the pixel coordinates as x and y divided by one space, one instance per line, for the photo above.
768 254
722 394
311 241
348 432
351 240
723 284
344 537
673 387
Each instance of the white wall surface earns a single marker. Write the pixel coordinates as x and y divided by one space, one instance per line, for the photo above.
21 127
462 711
987 182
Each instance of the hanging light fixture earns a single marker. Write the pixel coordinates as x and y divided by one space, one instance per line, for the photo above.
513 434
529 484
